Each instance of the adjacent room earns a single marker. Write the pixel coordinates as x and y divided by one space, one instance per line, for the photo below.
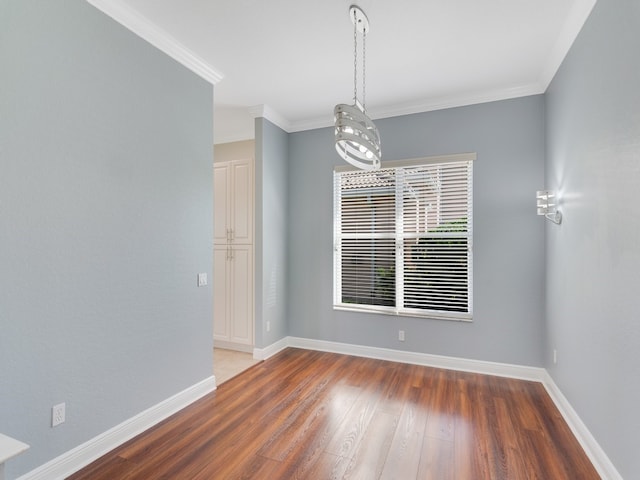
395 240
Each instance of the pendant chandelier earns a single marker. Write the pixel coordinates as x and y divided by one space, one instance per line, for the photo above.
357 137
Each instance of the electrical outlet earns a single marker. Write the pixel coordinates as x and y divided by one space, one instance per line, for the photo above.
57 414
555 356
401 335
202 279
268 326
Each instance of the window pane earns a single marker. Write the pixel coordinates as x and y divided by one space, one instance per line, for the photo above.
368 271
372 213
435 196
367 202
436 274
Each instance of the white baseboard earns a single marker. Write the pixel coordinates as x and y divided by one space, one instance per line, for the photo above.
438 361
598 457
238 347
271 350
73 460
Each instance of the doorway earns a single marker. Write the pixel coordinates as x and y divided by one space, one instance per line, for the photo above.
233 258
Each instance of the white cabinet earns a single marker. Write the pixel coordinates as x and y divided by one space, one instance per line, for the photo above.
233 264
221 287
233 202
233 296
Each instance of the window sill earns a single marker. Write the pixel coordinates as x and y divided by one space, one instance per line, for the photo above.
453 317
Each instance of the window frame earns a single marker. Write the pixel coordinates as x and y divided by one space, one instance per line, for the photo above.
399 238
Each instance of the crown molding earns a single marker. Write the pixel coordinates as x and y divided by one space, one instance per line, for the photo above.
432 104
453 101
232 138
436 103
580 11
265 111
138 24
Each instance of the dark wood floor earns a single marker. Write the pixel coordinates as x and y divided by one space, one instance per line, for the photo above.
313 415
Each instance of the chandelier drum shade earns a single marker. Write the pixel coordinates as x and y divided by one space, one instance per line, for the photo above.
356 137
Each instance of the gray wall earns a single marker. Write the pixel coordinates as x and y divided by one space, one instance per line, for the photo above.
272 160
593 262
105 220
508 137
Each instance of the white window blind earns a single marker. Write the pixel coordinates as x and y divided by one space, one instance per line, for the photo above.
403 238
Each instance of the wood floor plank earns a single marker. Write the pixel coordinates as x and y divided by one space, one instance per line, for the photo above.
351 431
313 415
309 443
437 460
441 419
513 448
248 468
327 466
371 454
463 442
403 459
488 458
307 414
321 416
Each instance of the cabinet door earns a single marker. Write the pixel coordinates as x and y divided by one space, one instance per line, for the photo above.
242 201
241 295
221 202
221 287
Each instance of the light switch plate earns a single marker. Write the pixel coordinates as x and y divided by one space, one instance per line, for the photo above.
202 279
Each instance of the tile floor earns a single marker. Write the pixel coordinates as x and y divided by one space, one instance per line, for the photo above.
229 363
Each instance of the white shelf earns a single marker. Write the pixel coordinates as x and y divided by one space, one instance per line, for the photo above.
9 448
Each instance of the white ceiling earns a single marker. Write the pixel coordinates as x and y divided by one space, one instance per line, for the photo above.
295 58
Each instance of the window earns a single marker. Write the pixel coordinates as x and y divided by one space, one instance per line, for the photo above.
403 238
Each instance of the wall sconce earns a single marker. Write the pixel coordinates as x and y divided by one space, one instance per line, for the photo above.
547 205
